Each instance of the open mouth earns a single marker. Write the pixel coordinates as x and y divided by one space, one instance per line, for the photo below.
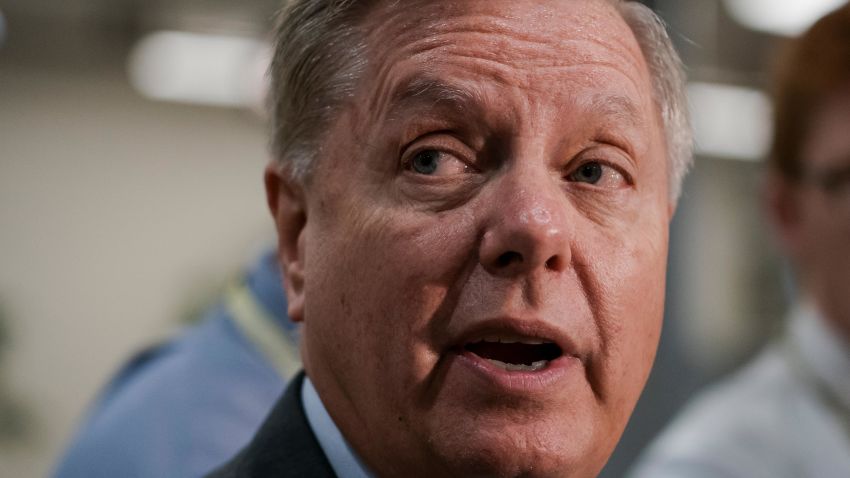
515 355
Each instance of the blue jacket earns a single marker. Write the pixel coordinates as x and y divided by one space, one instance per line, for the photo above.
181 408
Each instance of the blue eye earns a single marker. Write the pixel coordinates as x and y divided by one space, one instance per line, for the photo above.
426 162
588 173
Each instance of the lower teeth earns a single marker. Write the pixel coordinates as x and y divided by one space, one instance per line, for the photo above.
520 367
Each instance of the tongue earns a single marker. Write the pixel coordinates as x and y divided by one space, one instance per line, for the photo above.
515 353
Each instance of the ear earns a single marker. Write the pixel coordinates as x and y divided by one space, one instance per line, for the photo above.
780 199
287 204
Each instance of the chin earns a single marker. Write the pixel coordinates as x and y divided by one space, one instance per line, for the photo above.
486 448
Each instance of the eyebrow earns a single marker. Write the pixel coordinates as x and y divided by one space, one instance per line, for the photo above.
430 91
619 107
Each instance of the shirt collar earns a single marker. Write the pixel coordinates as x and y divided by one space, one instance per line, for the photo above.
342 458
824 350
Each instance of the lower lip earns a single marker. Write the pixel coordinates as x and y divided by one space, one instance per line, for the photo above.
518 382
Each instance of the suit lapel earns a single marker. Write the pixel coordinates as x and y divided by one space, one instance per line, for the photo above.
285 445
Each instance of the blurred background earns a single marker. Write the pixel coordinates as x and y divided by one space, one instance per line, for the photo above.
132 142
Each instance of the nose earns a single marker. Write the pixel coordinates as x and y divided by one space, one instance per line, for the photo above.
527 229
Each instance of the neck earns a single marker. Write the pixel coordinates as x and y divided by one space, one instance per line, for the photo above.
834 319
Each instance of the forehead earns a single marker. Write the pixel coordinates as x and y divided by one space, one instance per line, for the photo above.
828 144
562 71
512 41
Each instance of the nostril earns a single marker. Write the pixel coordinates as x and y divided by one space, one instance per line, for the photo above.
554 263
508 258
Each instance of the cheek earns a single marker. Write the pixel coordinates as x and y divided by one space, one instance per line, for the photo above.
824 238
390 271
632 304
829 253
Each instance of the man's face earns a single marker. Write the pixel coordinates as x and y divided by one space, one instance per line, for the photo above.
822 235
485 242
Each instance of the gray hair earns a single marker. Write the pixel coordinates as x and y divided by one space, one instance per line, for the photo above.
668 84
320 57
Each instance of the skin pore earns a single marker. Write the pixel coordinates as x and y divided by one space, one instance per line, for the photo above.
499 175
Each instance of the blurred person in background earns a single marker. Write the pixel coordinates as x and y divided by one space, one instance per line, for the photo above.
787 413
183 407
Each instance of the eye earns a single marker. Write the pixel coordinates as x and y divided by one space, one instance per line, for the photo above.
432 162
425 162
598 174
588 173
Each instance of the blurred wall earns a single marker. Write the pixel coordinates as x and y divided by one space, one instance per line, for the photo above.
117 216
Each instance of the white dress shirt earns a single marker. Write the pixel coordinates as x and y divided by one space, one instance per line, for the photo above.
342 458
786 414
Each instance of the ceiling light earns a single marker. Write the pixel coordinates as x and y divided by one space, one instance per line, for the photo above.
207 69
786 17
730 121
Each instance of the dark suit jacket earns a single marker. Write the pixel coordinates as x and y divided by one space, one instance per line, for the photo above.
284 447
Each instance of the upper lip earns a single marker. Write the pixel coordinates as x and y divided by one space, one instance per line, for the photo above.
510 329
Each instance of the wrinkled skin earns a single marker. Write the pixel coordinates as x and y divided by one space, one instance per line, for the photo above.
814 222
500 170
